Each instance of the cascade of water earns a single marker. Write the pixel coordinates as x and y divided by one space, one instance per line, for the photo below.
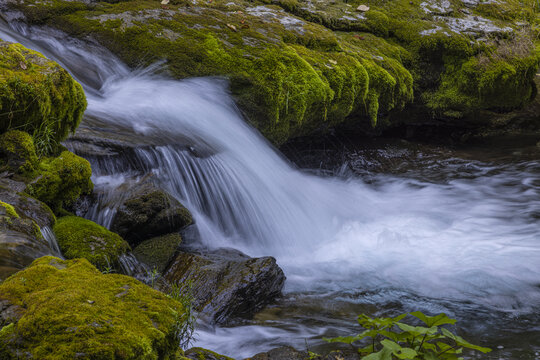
48 234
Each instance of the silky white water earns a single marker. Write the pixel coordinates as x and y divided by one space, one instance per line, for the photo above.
465 239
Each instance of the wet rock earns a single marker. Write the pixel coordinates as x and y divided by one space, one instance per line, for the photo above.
203 354
149 212
281 353
227 283
26 206
158 252
289 353
21 217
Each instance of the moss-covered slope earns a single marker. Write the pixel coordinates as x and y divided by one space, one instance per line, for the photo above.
69 310
298 66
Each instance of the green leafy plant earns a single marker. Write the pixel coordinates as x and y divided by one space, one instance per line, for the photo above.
185 323
392 339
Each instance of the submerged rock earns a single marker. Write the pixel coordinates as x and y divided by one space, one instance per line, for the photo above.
59 309
227 283
148 212
81 238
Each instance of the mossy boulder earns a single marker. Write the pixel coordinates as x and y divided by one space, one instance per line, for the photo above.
69 310
198 353
37 95
81 238
17 152
148 212
61 180
300 66
158 252
226 283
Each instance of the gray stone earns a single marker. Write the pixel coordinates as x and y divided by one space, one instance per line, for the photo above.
227 283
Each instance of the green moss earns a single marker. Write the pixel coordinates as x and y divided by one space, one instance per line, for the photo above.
37 95
68 309
61 180
9 210
81 238
18 152
158 252
292 75
203 354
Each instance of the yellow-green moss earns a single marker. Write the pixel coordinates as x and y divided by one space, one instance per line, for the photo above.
68 310
203 354
294 77
61 180
37 95
17 151
81 238
9 209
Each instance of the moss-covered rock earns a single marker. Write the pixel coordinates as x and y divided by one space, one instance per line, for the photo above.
149 212
298 66
69 310
17 152
81 238
198 353
61 180
158 252
37 96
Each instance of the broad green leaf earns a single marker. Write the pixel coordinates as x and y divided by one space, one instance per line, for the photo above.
351 339
462 342
384 354
436 320
406 353
391 345
417 330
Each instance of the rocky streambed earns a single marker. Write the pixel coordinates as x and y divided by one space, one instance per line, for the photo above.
165 182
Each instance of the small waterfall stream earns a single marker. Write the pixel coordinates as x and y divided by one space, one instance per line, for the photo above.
467 244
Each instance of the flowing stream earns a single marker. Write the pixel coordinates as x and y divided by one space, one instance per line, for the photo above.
433 230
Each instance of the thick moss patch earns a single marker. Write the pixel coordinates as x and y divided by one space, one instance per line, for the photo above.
61 180
17 151
37 95
81 238
69 310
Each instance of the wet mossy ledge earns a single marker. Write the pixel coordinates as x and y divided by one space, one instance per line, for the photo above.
68 309
299 66
37 96
81 238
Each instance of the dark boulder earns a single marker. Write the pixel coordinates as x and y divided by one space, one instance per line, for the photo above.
148 212
227 283
21 220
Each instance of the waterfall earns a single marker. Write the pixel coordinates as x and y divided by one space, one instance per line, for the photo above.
470 239
48 234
